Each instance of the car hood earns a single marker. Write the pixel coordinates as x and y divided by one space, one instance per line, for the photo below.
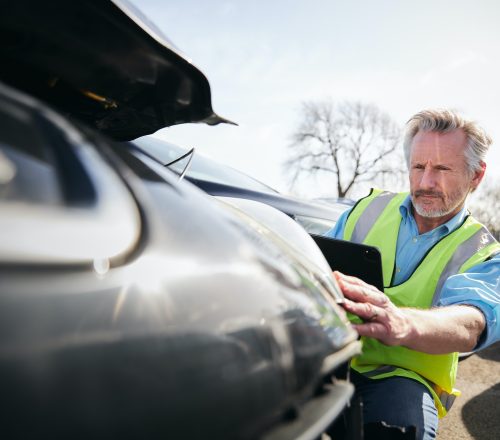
103 63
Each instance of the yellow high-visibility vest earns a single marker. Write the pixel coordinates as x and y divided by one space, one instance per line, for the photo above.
375 221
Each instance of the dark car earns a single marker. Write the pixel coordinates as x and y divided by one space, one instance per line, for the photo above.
221 180
133 305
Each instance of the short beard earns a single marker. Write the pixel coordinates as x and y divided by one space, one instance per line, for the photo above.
437 212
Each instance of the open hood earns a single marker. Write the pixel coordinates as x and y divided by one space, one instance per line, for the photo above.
103 63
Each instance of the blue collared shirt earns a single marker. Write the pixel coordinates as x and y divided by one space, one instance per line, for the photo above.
479 286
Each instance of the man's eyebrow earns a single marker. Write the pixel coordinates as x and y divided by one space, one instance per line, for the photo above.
434 165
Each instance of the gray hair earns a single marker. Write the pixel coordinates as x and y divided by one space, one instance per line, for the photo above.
444 121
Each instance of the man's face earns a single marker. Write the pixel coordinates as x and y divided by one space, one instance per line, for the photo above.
439 178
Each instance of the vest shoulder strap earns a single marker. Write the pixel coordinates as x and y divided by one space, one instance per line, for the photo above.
477 248
364 213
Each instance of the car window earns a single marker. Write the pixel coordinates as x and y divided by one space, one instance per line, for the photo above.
201 167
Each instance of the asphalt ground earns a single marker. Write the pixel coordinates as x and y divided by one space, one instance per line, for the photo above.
476 413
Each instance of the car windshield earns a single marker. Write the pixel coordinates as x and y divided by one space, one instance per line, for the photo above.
201 168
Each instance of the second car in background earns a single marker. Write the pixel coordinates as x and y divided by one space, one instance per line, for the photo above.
221 180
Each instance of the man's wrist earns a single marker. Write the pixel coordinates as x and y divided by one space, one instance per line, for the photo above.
412 334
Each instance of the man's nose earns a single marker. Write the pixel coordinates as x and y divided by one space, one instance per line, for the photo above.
428 179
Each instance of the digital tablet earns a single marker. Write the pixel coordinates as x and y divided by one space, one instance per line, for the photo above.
359 260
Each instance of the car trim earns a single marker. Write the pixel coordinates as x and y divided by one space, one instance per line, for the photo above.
316 415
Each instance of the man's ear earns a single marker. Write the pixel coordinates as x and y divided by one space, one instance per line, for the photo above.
478 176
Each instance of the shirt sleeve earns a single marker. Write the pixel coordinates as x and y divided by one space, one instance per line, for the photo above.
338 230
478 287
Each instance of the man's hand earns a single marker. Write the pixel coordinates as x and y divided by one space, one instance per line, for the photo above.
436 331
383 320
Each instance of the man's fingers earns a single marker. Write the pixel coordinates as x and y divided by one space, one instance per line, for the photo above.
366 311
382 319
348 280
357 290
372 330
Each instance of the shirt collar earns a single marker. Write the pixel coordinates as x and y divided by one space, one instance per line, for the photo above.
405 210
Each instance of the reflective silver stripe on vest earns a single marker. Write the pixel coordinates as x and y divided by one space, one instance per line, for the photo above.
447 399
467 249
380 370
371 212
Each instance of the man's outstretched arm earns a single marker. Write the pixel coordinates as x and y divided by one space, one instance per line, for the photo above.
435 331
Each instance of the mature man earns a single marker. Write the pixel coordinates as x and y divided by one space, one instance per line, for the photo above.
441 276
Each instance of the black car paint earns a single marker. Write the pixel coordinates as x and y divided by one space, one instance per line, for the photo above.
200 326
224 328
135 84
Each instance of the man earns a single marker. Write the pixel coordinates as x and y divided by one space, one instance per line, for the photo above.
441 276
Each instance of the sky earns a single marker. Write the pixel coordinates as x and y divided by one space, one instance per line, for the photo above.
263 59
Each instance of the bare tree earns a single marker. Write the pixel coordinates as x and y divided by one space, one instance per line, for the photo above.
484 204
351 141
